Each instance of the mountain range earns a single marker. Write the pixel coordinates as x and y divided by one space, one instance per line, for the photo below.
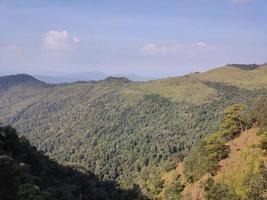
87 76
127 131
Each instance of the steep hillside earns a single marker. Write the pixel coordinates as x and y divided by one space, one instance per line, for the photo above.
233 164
27 174
244 159
121 129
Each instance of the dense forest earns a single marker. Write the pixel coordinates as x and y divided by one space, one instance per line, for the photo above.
27 174
132 132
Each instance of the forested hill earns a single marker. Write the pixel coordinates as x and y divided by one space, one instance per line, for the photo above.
123 130
26 173
7 82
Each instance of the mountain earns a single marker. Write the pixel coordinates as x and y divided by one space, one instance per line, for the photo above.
87 76
19 80
124 130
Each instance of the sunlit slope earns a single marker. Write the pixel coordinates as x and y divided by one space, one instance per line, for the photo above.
176 89
244 158
18 98
249 79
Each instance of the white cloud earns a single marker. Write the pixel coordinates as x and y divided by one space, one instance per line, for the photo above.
201 44
76 40
172 49
59 40
153 49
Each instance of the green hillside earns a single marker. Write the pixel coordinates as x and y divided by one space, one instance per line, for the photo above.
235 75
26 173
124 130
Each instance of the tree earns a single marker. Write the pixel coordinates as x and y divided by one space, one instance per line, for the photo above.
233 123
205 158
259 114
32 192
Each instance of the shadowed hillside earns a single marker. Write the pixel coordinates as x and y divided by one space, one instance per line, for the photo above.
26 173
21 80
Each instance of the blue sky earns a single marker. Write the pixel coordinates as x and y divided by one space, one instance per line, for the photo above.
146 37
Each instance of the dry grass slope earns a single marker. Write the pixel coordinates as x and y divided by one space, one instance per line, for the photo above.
244 158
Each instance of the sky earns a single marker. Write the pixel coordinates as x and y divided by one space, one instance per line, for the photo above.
153 38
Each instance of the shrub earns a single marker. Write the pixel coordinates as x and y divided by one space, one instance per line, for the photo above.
218 191
256 184
173 191
205 158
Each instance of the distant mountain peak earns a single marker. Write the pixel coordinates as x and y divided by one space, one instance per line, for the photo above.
114 78
19 79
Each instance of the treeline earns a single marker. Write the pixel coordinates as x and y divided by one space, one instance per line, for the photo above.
26 174
245 66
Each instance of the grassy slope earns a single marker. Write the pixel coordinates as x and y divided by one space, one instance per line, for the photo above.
249 79
244 158
176 89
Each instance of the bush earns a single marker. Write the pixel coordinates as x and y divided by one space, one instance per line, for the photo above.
173 191
256 184
218 191
258 114
205 158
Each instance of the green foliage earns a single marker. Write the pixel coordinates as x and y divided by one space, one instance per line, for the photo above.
218 191
258 114
26 174
256 184
120 129
232 124
32 192
155 185
205 158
